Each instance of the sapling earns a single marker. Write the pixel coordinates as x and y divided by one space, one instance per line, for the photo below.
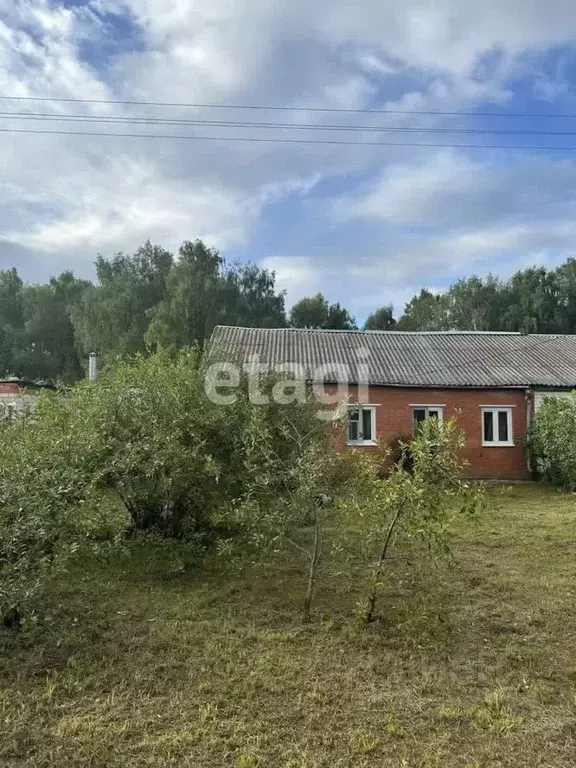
415 504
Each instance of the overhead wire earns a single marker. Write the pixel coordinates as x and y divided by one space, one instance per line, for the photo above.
145 120
269 140
283 108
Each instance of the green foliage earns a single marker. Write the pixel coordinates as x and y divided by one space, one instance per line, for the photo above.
294 482
49 350
533 300
399 451
381 320
317 312
36 333
150 299
48 506
202 292
143 300
182 465
149 423
11 318
425 312
412 508
552 441
113 317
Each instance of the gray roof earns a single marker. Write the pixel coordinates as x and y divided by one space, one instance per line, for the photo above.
402 358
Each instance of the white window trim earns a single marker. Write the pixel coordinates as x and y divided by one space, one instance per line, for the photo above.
426 405
439 408
363 407
494 409
497 407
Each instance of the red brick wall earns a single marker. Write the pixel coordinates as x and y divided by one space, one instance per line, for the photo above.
394 416
14 388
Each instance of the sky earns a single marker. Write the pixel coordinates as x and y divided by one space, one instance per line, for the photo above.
366 225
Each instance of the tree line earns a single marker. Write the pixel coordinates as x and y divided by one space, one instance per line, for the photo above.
151 299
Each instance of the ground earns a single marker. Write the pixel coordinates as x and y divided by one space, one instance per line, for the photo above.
137 664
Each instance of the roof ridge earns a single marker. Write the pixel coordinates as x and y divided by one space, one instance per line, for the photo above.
399 333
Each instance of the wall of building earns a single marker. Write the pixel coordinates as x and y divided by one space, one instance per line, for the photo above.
15 400
394 407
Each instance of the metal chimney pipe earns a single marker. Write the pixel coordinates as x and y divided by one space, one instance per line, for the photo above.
93 366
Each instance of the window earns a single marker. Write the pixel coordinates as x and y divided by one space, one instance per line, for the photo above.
361 425
497 426
422 412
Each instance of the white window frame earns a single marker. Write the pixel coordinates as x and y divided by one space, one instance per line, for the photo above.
363 407
495 410
427 408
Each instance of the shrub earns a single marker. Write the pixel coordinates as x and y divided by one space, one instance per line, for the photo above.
399 451
146 431
291 497
48 506
177 459
552 441
413 508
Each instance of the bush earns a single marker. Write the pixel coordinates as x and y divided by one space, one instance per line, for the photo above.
552 441
146 430
399 451
48 506
177 459
412 508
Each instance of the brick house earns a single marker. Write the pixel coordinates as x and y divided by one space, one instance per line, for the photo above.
490 382
18 396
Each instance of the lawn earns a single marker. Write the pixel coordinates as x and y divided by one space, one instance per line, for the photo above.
139 664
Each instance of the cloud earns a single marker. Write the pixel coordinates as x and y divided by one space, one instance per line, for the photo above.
378 220
446 217
124 202
297 275
449 190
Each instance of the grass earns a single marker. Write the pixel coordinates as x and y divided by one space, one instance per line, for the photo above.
137 664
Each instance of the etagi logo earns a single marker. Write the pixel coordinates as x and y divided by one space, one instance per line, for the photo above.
290 382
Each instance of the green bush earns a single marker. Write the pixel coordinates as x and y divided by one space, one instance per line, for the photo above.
552 441
148 433
413 507
49 508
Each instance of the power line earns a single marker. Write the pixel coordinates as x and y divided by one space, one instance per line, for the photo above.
284 109
284 141
140 120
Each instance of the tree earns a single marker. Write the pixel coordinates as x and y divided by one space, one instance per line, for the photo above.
412 508
11 319
316 312
476 304
112 318
565 279
247 297
339 319
48 348
192 303
425 312
295 480
533 303
381 320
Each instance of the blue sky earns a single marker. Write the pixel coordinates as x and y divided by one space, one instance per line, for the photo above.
365 225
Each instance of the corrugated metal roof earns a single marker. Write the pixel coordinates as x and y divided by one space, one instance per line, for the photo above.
402 358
